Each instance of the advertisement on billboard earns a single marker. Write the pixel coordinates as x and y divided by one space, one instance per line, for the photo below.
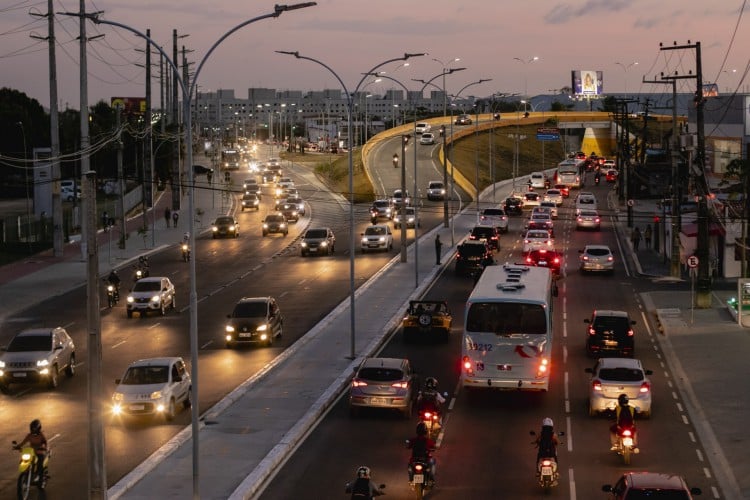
587 82
130 105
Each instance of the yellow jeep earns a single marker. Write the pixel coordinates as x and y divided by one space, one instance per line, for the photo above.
427 317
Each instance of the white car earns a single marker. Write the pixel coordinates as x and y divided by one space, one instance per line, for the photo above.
423 127
585 201
152 387
377 237
411 218
435 190
151 294
537 180
608 165
597 258
540 220
67 193
552 206
531 200
427 139
611 377
588 219
554 195
495 217
537 239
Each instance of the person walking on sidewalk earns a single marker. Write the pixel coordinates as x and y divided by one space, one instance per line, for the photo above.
438 248
647 236
635 238
167 215
175 217
105 220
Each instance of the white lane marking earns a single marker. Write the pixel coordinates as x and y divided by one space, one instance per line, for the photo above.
207 344
691 435
113 346
569 430
699 454
572 483
685 420
283 293
154 326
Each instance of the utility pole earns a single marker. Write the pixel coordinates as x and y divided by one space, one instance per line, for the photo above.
148 169
176 178
624 157
120 178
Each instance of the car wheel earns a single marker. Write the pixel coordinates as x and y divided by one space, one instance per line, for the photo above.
130 314
170 411
53 380
70 370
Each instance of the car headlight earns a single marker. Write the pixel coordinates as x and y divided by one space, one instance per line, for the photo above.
229 328
42 362
381 239
118 396
265 226
2 364
156 298
364 240
117 409
442 191
282 225
130 299
324 243
231 228
262 328
155 395
214 229
303 244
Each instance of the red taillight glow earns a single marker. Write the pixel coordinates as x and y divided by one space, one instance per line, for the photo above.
627 433
466 361
358 383
418 467
528 260
630 333
645 387
592 331
400 385
596 385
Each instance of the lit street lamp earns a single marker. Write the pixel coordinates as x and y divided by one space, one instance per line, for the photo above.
525 76
626 68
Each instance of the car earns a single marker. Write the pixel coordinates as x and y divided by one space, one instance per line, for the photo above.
275 223
427 139
248 183
585 200
267 176
540 220
537 180
551 259
536 239
412 218
609 164
381 209
400 197
377 237
250 201
283 184
554 195
580 155
318 240
611 377
487 233
153 387
387 383
597 258
297 202
254 320
435 190
473 256
423 127
611 175
225 225
69 193
273 162
463 120
564 190
254 189
513 205
651 485
552 206
610 332
531 200
154 293
37 356
427 317
588 219
495 217
289 211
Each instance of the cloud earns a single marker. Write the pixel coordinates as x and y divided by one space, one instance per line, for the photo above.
563 13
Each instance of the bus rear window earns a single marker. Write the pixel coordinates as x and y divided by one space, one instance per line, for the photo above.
505 318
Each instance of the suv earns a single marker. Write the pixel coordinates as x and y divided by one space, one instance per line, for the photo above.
37 356
513 206
399 197
318 240
495 217
275 223
151 294
254 319
289 210
381 209
225 225
651 485
610 332
383 383
427 317
250 200
423 127
472 256
435 190
377 237
153 387
488 233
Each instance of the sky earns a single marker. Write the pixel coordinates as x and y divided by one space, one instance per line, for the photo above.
494 39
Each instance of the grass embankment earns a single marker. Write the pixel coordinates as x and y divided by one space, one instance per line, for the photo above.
333 170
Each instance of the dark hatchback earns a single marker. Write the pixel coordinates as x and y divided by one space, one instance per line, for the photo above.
542 257
513 206
610 333
254 320
473 256
488 233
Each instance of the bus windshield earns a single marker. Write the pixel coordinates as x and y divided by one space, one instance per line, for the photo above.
507 318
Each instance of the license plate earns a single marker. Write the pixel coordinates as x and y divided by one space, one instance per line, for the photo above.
542 262
374 246
137 407
378 401
19 374
610 343
546 471
418 478
504 368
246 334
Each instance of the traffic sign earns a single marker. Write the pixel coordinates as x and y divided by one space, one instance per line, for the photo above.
631 202
692 262
548 134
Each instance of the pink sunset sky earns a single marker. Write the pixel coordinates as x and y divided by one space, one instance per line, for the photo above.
353 36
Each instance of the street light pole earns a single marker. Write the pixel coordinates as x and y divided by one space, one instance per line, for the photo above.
26 180
626 68
187 94
525 75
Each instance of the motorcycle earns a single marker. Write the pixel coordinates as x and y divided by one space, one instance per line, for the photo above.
185 252
26 468
596 180
546 469
420 475
626 443
430 412
113 295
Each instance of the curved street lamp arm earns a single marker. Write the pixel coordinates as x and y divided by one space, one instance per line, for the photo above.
472 83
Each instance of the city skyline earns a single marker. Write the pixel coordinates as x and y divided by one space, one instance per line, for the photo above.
522 52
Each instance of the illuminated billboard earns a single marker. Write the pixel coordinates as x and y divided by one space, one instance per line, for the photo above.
130 105
587 83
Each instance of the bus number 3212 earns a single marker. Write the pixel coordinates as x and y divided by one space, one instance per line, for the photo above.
473 346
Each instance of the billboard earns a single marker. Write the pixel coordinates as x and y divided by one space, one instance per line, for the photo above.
130 105
587 83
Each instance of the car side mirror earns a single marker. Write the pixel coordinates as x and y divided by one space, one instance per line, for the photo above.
587 321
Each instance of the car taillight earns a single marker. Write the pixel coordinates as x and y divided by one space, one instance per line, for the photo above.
597 220
610 258
630 332
466 362
526 241
592 331
596 385
400 385
358 383
503 218
585 257
529 261
543 367
580 219
645 387
549 243
557 260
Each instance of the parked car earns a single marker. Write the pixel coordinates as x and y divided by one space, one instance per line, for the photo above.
377 237
610 332
318 240
387 383
256 320
152 387
155 293
37 356
611 377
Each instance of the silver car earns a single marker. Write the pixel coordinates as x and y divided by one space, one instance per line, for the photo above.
383 383
597 258
318 240
151 294
377 237
37 356
588 219
435 190
495 217
611 377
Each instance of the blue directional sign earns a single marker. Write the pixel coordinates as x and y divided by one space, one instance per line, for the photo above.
547 134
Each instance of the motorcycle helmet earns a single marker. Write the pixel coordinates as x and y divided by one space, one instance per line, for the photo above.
35 426
623 400
431 383
547 422
363 472
421 429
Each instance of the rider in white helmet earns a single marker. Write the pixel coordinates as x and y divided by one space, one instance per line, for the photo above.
547 441
362 488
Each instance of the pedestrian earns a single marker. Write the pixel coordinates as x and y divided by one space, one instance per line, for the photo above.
175 217
105 220
635 238
647 236
167 215
438 248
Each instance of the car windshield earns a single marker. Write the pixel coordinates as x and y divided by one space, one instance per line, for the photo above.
598 252
375 230
537 235
436 185
656 494
471 250
224 220
315 233
614 323
532 196
380 374
144 375
493 211
588 213
274 218
380 204
483 232
506 318
146 286
25 343
586 201
621 374
250 310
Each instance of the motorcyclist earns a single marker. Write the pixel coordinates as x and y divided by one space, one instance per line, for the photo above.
546 442
114 280
597 175
430 394
363 488
36 439
624 419
186 238
421 450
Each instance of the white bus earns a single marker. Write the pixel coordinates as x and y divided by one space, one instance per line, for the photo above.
568 173
507 339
